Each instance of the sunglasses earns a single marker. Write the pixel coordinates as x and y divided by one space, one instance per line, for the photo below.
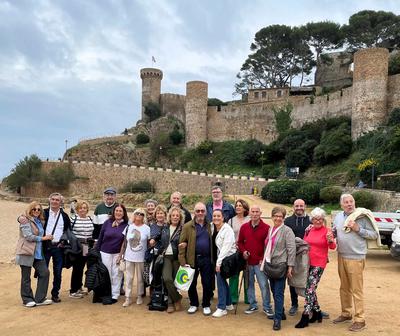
200 211
139 213
36 209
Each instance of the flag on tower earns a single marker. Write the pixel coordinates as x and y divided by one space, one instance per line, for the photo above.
153 59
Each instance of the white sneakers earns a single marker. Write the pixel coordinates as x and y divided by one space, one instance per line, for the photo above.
30 304
76 295
127 303
220 313
206 311
192 310
44 303
230 307
139 300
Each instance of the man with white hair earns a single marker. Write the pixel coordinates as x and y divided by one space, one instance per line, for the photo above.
351 238
176 200
251 241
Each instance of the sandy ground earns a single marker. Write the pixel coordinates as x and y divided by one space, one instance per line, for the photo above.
80 316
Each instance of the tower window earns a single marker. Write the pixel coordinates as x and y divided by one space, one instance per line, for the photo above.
256 95
263 94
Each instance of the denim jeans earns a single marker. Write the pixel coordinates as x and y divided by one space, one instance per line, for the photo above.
254 270
278 291
57 254
224 294
203 267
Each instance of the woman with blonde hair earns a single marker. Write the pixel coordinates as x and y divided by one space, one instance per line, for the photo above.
137 235
320 239
170 241
82 226
30 254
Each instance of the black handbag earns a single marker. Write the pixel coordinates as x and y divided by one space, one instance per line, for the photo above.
275 271
232 265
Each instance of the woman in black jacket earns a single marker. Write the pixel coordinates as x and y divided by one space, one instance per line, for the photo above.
170 243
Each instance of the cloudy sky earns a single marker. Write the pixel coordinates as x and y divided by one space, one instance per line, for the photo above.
69 69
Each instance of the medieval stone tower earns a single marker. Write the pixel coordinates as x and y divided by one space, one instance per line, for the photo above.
151 87
370 83
196 113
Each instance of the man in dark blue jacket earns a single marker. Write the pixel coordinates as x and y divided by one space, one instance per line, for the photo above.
219 203
298 222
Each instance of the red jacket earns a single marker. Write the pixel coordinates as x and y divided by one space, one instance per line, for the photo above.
252 240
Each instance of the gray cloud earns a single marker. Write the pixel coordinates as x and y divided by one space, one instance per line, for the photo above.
69 69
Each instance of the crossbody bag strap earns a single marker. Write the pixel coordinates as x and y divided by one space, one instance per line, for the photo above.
55 225
73 224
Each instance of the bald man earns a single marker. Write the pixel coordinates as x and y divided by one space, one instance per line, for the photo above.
251 244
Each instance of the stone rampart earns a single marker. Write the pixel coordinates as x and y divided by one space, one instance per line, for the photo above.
94 177
393 98
173 105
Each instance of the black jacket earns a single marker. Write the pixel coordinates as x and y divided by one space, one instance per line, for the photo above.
188 216
298 224
166 239
67 221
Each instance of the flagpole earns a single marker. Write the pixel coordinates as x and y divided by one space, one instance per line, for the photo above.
153 61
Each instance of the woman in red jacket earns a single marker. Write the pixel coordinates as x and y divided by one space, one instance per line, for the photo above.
320 239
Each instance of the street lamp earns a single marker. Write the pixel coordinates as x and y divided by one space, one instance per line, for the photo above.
262 161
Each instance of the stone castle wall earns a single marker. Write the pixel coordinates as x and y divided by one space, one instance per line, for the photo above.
95 177
370 85
151 87
335 104
196 112
393 98
173 105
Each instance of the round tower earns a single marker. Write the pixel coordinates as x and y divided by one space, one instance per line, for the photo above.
370 78
196 113
151 87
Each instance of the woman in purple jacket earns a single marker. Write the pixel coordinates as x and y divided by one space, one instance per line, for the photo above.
109 244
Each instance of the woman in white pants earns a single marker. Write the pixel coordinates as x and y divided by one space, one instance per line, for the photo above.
109 244
137 236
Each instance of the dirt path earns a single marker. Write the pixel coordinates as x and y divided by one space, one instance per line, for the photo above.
80 316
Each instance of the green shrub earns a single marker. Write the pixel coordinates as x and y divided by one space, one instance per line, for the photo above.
364 199
152 111
59 177
205 147
252 152
298 158
142 139
330 194
394 117
335 144
271 171
25 171
394 64
282 191
309 192
176 136
138 187
160 144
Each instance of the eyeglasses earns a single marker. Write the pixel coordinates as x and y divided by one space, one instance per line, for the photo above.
36 209
200 211
139 213
216 192
318 219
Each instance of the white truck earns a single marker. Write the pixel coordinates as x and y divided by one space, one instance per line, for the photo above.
389 230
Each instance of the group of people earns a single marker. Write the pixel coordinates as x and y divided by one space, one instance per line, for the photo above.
130 248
